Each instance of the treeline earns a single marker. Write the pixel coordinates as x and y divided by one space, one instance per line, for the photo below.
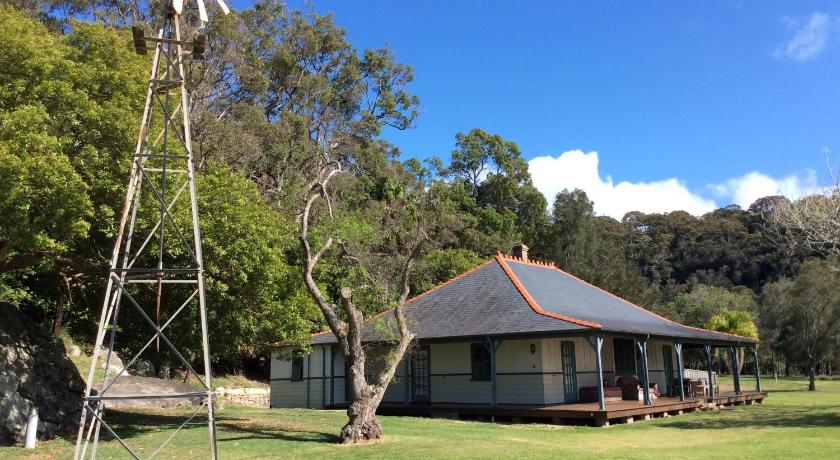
70 97
728 270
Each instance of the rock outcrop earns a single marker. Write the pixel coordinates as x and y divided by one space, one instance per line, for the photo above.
115 365
34 372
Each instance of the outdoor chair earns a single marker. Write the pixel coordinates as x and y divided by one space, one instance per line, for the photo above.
689 389
697 389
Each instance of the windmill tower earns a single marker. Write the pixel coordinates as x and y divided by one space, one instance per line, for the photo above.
162 277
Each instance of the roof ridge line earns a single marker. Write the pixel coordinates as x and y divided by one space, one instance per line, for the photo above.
536 263
645 309
500 258
450 280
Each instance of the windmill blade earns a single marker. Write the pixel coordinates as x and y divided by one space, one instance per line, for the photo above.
178 5
223 6
202 12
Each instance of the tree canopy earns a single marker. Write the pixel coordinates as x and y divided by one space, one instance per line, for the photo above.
68 116
801 316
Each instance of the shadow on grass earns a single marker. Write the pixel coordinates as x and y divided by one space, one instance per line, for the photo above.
787 390
128 425
765 417
245 429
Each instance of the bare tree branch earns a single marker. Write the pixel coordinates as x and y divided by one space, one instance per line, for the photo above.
812 222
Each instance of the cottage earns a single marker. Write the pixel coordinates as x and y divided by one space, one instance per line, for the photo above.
518 338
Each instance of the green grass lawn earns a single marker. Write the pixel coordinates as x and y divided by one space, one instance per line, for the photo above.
792 423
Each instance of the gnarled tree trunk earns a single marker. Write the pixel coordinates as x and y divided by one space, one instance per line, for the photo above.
362 424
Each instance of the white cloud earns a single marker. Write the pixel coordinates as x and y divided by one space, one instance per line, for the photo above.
575 169
744 190
809 39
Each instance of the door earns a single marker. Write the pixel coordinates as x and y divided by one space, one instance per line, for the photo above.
667 358
624 354
567 351
421 378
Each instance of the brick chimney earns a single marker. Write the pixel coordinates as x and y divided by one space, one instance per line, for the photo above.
520 251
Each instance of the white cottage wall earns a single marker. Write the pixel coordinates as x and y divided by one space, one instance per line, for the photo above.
451 375
584 363
518 374
311 391
656 363
523 377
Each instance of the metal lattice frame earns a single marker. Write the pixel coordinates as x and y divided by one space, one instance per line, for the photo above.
158 162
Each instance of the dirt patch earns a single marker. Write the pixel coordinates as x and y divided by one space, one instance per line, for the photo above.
276 425
367 442
525 426
134 385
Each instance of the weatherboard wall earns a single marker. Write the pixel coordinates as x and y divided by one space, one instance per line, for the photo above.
523 377
656 363
313 390
586 371
518 374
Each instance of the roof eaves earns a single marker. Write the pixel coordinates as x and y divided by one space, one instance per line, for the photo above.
500 258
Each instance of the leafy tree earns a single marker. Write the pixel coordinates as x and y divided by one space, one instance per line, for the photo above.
375 244
810 317
317 106
700 306
572 215
738 322
254 296
494 187
44 211
43 216
443 264
771 323
69 105
479 156
727 247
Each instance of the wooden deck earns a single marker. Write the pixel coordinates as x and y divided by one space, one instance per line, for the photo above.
576 413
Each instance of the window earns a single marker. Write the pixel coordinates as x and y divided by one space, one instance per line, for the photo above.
625 357
297 368
480 362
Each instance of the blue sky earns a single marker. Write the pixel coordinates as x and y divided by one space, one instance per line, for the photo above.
672 105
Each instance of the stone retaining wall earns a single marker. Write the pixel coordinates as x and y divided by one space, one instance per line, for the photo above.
258 397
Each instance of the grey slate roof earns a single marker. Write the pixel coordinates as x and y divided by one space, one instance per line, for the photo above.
482 302
560 292
486 301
